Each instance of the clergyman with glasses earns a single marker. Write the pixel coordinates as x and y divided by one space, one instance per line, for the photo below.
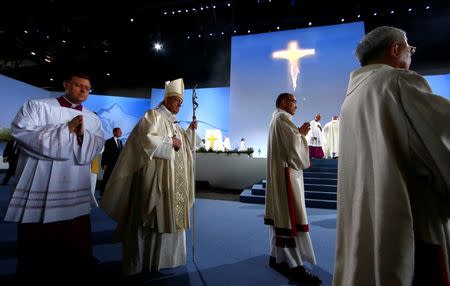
51 202
285 211
393 175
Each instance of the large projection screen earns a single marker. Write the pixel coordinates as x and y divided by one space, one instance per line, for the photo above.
265 65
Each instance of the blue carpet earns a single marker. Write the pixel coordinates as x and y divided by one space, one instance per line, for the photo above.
231 247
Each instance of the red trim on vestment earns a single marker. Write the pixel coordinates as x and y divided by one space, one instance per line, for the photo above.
442 267
290 197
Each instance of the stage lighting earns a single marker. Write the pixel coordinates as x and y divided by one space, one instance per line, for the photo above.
157 46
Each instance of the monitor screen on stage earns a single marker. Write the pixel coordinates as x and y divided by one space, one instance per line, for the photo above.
312 63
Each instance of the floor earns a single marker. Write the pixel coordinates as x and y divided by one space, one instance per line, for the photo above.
231 246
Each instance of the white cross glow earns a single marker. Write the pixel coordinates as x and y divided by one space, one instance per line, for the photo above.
293 55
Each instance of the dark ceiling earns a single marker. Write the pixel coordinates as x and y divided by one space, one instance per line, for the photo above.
40 41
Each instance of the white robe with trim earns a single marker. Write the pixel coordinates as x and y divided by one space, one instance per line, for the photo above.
53 173
393 178
331 139
287 146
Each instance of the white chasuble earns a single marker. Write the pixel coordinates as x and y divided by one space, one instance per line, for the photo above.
151 191
393 178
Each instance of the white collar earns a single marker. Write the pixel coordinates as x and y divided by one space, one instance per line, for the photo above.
166 113
279 110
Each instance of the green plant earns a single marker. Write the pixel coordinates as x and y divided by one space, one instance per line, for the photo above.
249 151
5 134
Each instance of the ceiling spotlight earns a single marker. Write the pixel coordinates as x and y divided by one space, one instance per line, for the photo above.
248 31
64 41
214 7
33 53
173 12
278 27
108 74
201 8
409 10
179 11
165 13
51 79
157 46
428 7
359 16
25 31
207 7
375 13
210 34
199 36
342 20
193 9
222 33
310 23
187 11
188 37
234 31
47 60
228 4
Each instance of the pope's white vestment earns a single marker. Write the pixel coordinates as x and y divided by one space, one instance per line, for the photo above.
151 191
393 178
53 172
287 148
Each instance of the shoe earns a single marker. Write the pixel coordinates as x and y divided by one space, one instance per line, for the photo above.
300 274
282 267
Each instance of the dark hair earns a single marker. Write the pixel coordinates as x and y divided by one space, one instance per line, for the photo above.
78 74
115 129
280 98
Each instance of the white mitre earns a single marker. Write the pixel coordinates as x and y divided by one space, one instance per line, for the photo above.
174 88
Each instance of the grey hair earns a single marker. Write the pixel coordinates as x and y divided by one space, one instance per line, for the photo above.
373 46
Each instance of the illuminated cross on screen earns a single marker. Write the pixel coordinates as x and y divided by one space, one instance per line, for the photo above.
293 55
211 140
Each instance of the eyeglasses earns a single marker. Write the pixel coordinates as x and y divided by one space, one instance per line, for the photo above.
412 49
81 86
292 100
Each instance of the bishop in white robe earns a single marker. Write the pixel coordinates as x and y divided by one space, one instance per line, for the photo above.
151 189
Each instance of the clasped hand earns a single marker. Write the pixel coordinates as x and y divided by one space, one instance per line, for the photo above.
76 125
